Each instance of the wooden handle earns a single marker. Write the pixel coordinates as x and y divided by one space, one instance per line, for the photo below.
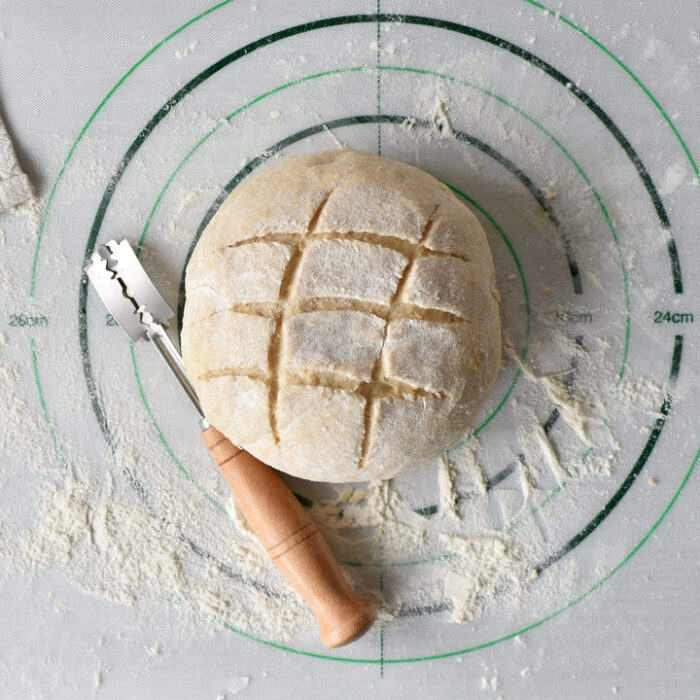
293 541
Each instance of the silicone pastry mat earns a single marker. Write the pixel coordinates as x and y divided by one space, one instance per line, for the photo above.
569 130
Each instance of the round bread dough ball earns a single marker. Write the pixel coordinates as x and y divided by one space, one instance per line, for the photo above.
342 320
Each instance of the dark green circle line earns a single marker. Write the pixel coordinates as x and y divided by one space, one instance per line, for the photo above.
389 18
598 44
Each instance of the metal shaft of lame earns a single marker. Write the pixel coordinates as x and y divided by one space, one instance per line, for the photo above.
169 353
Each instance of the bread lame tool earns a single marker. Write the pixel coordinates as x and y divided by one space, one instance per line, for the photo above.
273 512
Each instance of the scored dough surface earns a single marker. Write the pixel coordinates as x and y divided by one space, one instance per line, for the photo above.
341 318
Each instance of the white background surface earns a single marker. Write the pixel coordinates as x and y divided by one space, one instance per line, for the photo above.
638 636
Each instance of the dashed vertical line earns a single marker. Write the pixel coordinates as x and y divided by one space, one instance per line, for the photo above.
379 81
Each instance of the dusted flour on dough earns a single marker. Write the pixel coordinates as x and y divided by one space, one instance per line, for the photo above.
342 317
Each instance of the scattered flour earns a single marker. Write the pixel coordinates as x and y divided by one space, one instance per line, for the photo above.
186 50
236 685
446 488
674 177
490 681
487 570
155 649
439 116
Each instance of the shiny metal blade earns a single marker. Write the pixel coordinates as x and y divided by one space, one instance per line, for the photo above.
113 295
123 261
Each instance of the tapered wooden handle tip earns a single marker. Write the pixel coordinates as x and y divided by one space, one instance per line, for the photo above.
347 624
296 546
